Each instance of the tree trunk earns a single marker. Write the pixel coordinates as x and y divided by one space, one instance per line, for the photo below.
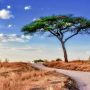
64 51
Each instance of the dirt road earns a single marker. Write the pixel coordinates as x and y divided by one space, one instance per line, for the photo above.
82 78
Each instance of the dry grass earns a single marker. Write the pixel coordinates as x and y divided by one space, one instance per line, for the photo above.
78 65
22 76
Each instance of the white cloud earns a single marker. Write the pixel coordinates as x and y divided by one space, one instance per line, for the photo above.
24 48
8 7
34 19
27 7
13 38
5 14
9 26
26 37
16 53
27 52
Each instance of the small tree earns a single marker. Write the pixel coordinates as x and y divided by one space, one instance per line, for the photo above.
62 27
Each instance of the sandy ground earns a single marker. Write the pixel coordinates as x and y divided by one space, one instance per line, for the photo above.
22 76
82 78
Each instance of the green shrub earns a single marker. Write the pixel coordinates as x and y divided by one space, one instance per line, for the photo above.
58 59
37 61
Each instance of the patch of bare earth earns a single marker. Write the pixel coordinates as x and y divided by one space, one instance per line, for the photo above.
77 65
22 76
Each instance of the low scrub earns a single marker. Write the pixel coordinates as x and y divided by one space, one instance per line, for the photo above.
78 65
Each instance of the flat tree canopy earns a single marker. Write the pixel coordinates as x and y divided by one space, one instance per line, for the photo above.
59 26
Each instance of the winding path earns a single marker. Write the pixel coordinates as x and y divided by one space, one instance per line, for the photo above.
82 78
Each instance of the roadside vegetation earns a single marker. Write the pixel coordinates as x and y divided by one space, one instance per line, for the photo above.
78 65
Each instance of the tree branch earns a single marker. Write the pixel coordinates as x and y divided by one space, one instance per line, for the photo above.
61 34
70 37
52 33
55 35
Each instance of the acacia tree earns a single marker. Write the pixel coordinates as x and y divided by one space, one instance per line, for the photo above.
63 27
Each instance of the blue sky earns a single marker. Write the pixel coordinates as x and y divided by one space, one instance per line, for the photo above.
14 14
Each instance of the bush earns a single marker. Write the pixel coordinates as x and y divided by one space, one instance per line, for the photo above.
58 59
37 61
